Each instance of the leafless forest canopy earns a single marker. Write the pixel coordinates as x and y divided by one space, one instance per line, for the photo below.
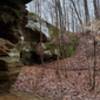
72 15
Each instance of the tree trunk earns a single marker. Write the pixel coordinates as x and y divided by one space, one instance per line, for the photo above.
75 8
86 12
96 9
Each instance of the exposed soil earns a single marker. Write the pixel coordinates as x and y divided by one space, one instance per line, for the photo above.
21 96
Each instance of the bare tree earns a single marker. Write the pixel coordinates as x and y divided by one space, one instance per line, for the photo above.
96 9
75 8
67 19
72 18
62 26
87 16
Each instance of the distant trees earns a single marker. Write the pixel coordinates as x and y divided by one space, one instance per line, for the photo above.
96 4
76 11
69 14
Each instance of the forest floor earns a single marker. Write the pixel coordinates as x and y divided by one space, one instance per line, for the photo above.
20 96
68 79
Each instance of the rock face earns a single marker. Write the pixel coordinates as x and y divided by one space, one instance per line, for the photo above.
5 47
7 2
13 18
12 22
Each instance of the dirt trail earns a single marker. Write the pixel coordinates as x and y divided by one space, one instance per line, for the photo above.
20 96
